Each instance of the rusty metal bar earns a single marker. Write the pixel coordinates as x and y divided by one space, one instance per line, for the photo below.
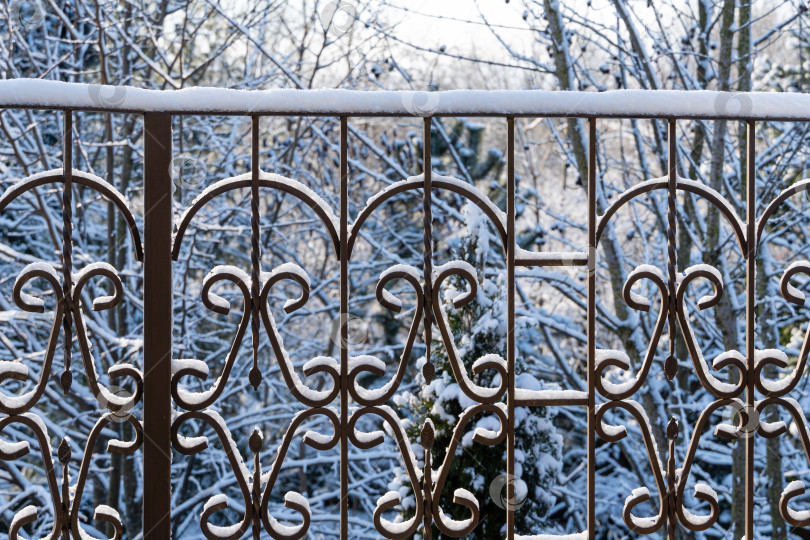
427 237
255 375
63 455
671 364
654 104
565 398
427 439
750 321
428 369
672 520
591 330
67 248
552 258
344 329
510 326
455 113
157 326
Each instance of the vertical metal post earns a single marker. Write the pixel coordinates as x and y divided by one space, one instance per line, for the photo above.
344 330
672 520
428 370
671 364
427 236
255 376
67 293
750 320
157 326
67 247
510 327
591 330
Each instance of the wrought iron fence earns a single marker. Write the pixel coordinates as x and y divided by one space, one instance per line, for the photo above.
159 389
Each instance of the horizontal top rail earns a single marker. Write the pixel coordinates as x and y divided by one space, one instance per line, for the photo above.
42 94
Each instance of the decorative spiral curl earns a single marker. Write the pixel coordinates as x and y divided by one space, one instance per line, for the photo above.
776 357
734 359
365 441
475 392
611 358
611 433
375 366
449 526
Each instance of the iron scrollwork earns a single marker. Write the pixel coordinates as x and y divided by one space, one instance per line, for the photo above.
69 320
731 379
671 481
371 402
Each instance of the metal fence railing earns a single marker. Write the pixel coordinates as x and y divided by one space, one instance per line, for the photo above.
157 432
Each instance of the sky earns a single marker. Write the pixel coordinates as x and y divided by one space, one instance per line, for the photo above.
458 24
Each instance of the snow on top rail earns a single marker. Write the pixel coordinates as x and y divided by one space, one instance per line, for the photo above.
34 93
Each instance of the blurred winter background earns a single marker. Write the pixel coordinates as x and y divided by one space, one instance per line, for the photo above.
599 45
